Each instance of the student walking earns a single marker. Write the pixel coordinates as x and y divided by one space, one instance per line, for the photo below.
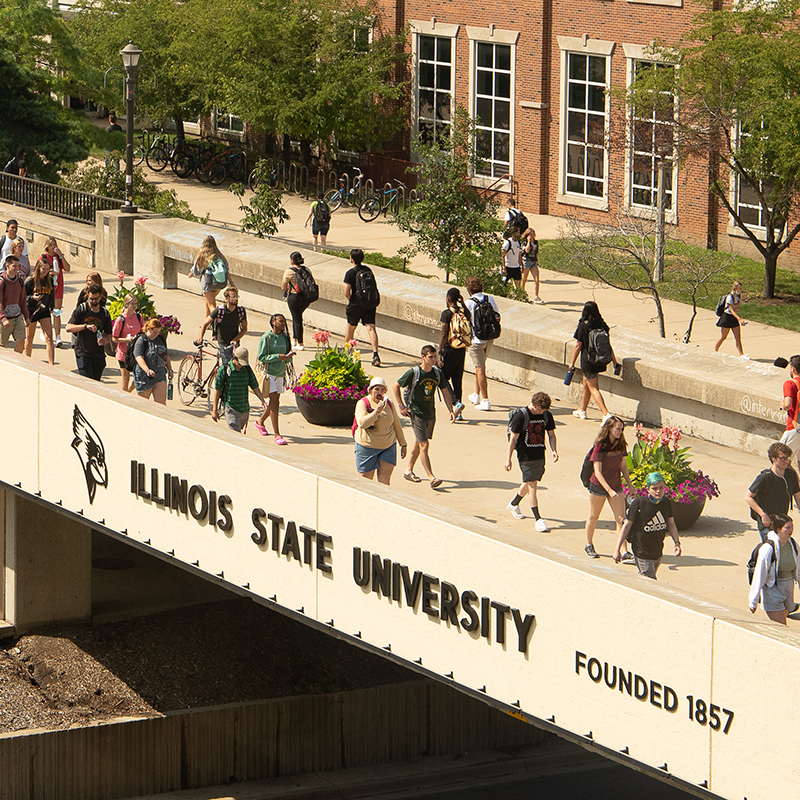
419 404
527 429
730 320
14 316
511 268
58 265
609 470
485 319
212 269
274 353
773 489
41 297
647 522
530 262
319 215
363 299
228 322
593 344
791 405
92 325
300 290
376 433
455 338
231 391
776 571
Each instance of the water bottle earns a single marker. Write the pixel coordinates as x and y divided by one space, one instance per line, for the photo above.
169 391
570 374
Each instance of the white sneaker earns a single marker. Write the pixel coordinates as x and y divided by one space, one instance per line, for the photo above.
41 337
298 347
606 418
484 405
538 300
745 357
515 512
579 414
474 398
542 526
58 341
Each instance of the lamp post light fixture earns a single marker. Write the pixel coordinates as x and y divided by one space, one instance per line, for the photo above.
130 61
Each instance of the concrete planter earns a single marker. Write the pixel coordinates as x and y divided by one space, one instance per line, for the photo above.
328 413
686 514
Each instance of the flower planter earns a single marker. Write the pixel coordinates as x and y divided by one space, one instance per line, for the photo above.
686 514
329 413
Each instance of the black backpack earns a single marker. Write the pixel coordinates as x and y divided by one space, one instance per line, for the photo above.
366 288
322 212
519 221
221 311
513 413
486 320
721 305
599 349
306 285
130 359
11 167
587 468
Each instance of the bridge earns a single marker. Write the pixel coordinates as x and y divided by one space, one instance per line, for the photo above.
672 683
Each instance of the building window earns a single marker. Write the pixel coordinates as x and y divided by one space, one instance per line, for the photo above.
228 123
492 110
434 87
652 138
748 206
587 82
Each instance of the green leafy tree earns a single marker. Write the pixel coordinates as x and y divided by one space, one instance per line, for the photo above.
264 211
737 85
33 41
452 218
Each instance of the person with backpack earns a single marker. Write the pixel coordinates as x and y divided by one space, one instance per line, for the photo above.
454 341
8 239
791 405
319 215
231 386
228 322
300 290
775 571
609 471
647 522
212 269
153 364
511 251
40 290
485 319
527 428
729 319
58 266
92 325
514 218
123 331
419 404
773 489
530 262
274 355
363 298
376 431
593 344
14 315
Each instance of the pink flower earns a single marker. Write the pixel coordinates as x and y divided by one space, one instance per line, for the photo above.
141 280
121 276
322 337
352 343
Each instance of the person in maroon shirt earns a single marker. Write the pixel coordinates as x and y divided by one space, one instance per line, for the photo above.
13 306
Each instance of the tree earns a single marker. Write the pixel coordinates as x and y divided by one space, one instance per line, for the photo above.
737 82
311 69
452 216
623 255
33 43
265 211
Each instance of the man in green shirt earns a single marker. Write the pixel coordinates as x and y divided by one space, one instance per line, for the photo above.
419 404
231 389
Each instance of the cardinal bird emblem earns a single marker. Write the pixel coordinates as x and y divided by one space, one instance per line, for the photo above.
89 447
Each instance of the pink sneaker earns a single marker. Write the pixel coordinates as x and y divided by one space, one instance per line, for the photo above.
262 430
280 440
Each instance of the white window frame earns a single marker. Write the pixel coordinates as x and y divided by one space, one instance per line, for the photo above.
734 188
493 35
440 31
590 47
634 53
226 133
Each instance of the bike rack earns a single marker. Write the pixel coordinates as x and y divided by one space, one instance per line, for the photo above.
298 178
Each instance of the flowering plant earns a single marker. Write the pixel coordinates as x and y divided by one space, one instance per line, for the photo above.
659 452
335 373
145 305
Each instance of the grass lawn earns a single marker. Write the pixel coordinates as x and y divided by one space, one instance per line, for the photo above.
783 311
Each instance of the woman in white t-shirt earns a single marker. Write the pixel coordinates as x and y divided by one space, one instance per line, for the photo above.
730 319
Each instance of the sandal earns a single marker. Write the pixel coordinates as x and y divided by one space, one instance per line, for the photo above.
280 440
436 483
410 476
261 429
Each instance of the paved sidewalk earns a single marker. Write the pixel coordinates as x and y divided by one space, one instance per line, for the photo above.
469 457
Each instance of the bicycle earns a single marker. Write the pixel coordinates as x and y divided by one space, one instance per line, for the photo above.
160 152
253 181
191 383
335 197
233 163
372 207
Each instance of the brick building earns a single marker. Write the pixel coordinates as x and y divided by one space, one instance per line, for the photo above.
535 76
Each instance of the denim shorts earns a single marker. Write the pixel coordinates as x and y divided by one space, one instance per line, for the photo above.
367 458
779 597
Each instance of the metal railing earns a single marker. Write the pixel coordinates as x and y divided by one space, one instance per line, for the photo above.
53 199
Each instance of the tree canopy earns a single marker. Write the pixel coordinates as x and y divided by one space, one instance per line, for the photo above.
737 85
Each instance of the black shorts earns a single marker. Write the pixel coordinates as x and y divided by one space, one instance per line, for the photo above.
356 314
532 471
514 273
727 321
318 229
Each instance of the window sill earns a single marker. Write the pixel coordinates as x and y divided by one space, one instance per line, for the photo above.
596 203
484 182
737 233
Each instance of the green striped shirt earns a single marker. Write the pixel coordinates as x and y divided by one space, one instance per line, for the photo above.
234 384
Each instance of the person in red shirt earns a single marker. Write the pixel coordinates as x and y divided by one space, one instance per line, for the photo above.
791 405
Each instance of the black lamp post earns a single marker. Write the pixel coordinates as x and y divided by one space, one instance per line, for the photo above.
130 60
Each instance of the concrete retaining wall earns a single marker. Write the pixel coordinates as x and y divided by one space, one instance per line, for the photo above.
713 397
252 741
